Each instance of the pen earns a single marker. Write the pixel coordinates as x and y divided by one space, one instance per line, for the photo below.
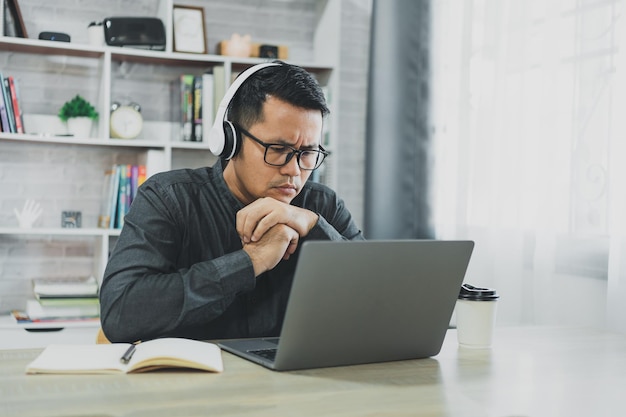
129 354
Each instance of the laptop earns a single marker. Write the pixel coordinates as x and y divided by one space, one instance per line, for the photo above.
357 302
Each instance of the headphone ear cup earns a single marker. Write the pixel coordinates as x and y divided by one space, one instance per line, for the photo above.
216 139
224 139
232 140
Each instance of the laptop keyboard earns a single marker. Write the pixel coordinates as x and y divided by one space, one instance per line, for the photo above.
269 354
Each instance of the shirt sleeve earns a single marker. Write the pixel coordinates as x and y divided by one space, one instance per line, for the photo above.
335 220
145 294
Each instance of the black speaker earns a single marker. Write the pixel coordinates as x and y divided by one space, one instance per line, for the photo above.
135 32
54 36
268 51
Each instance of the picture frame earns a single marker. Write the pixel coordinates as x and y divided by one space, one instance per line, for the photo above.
189 29
13 20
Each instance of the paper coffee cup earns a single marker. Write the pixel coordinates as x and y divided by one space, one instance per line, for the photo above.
476 316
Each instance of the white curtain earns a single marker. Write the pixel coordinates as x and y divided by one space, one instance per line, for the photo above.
529 130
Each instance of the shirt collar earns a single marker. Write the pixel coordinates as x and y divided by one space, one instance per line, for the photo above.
218 179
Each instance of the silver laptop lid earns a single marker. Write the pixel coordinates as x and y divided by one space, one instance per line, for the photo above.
370 301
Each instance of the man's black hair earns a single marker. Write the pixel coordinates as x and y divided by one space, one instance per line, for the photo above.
286 82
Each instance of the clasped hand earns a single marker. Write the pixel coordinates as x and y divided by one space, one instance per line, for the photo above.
270 230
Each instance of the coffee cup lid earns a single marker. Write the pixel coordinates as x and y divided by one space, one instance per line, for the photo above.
469 292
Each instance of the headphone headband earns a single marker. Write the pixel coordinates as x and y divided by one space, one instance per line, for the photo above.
223 135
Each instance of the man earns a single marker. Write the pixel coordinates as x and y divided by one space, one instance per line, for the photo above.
210 253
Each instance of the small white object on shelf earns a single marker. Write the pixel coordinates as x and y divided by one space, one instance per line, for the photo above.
29 214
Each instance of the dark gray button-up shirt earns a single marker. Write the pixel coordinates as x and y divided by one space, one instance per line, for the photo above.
178 268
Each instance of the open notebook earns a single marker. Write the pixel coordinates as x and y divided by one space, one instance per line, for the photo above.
362 302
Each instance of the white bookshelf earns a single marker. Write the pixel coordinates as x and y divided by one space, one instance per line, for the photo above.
18 336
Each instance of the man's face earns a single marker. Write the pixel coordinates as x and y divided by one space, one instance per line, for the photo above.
250 178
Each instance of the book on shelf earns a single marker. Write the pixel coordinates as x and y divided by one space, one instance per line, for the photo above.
112 196
198 98
134 181
36 310
69 301
186 107
141 176
67 287
58 302
8 123
123 197
219 87
108 191
4 117
17 112
8 103
197 108
119 188
142 357
11 118
21 318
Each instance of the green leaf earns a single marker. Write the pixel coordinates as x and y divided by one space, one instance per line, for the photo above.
77 107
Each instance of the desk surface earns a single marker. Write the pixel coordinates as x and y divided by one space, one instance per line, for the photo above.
529 372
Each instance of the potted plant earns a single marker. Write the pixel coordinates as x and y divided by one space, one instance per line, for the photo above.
79 115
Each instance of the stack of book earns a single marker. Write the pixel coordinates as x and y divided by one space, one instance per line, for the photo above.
199 97
119 189
58 300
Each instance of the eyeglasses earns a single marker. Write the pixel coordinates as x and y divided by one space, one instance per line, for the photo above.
278 155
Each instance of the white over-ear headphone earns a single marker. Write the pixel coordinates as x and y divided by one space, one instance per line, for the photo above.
223 137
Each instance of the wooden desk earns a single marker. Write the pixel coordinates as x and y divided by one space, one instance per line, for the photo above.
529 372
